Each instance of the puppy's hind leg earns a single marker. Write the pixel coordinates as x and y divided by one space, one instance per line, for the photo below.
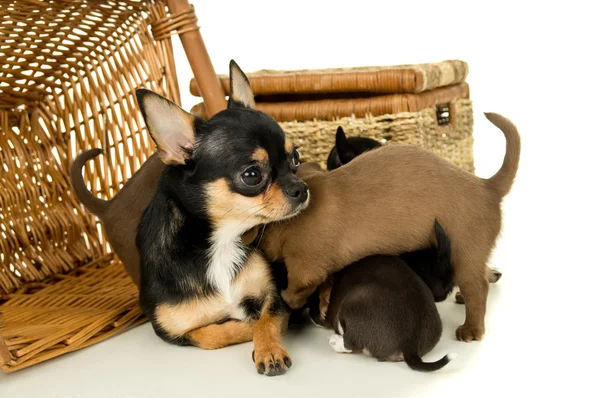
301 284
324 296
471 276
318 303
494 276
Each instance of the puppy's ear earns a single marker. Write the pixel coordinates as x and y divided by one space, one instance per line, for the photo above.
171 128
346 151
240 93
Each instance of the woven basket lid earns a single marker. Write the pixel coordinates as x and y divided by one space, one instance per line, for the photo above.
372 79
331 109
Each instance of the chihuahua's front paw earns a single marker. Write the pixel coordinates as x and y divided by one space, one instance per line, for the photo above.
272 360
469 333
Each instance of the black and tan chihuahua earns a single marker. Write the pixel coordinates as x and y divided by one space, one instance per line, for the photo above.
200 285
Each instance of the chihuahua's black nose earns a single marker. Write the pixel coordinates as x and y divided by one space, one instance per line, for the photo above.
297 193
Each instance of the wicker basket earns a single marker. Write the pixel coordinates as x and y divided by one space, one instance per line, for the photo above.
426 105
67 81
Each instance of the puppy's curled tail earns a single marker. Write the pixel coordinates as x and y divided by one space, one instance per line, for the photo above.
91 202
503 180
416 363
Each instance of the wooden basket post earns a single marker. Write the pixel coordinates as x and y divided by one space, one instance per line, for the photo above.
204 72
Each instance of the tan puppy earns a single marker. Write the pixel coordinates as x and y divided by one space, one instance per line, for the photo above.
121 215
385 202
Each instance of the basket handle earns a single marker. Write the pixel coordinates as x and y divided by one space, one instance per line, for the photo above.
204 72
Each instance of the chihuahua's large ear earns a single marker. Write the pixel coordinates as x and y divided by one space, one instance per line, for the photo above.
240 93
171 128
346 152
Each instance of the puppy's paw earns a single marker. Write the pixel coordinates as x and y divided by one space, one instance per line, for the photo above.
460 299
494 275
469 333
337 343
272 360
294 299
316 320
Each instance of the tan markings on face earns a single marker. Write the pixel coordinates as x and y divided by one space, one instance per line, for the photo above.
261 156
226 206
289 146
177 319
276 202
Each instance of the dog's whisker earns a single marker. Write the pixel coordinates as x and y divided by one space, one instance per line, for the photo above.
262 233
228 211
252 214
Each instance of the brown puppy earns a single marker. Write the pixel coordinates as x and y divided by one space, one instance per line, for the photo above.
384 202
120 215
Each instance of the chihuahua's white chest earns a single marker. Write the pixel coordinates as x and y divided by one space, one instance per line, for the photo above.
227 255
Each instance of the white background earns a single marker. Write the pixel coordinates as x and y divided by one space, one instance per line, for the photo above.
534 62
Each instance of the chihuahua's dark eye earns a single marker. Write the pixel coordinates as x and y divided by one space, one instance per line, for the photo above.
296 158
252 176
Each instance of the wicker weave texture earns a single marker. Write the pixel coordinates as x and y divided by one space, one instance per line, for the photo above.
67 83
453 141
91 304
376 80
70 87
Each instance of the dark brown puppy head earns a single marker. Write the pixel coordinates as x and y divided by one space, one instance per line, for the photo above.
346 149
236 168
